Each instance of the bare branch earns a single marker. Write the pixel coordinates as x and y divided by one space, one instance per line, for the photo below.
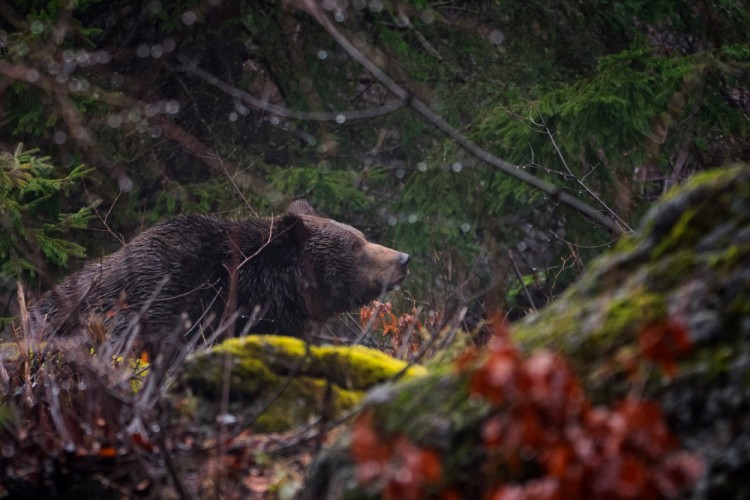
264 105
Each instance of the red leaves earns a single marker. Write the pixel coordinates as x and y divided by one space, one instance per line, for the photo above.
405 469
663 343
402 328
543 417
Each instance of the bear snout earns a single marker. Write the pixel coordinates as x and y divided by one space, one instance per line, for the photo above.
403 259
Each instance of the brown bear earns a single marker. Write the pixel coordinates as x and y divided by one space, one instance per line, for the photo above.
191 272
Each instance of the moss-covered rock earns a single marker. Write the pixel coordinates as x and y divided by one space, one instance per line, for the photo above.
688 264
278 382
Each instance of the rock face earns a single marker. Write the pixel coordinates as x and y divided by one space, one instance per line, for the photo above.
688 266
688 263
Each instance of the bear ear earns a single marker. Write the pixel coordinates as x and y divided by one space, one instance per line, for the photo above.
300 207
297 229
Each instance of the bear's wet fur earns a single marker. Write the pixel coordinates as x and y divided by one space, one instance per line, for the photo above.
288 272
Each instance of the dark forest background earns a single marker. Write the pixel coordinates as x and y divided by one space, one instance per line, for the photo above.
114 115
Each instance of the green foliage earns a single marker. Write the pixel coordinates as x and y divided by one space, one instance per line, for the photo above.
330 191
33 225
199 198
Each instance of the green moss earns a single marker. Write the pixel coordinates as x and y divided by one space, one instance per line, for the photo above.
668 272
304 399
328 379
728 257
707 179
627 314
682 235
541 332
359 367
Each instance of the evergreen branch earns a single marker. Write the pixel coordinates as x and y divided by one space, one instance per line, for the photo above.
553 191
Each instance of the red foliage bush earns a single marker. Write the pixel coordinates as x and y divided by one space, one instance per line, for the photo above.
543 439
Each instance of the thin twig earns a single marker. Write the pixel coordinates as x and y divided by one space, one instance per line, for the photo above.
520 279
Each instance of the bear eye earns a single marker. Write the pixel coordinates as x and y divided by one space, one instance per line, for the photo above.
356 246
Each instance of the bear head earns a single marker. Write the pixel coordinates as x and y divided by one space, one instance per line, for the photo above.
340 269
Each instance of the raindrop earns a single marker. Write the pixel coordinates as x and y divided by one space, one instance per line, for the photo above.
32 75
412 218
59 137
233 116
125 184
55 391
340 118
114 120
157 51
457 167
392 221
68 56
496 37
103 57
339 16
400 173
155 428
53 68
142 51
376 6
172 107
402 21
154 131
465 227
241 109
134 116
422 166
322 54
189 17
427 16
275 120
226 419
169 45
82 57
37 27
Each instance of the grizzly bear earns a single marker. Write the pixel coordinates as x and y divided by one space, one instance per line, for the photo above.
193 273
